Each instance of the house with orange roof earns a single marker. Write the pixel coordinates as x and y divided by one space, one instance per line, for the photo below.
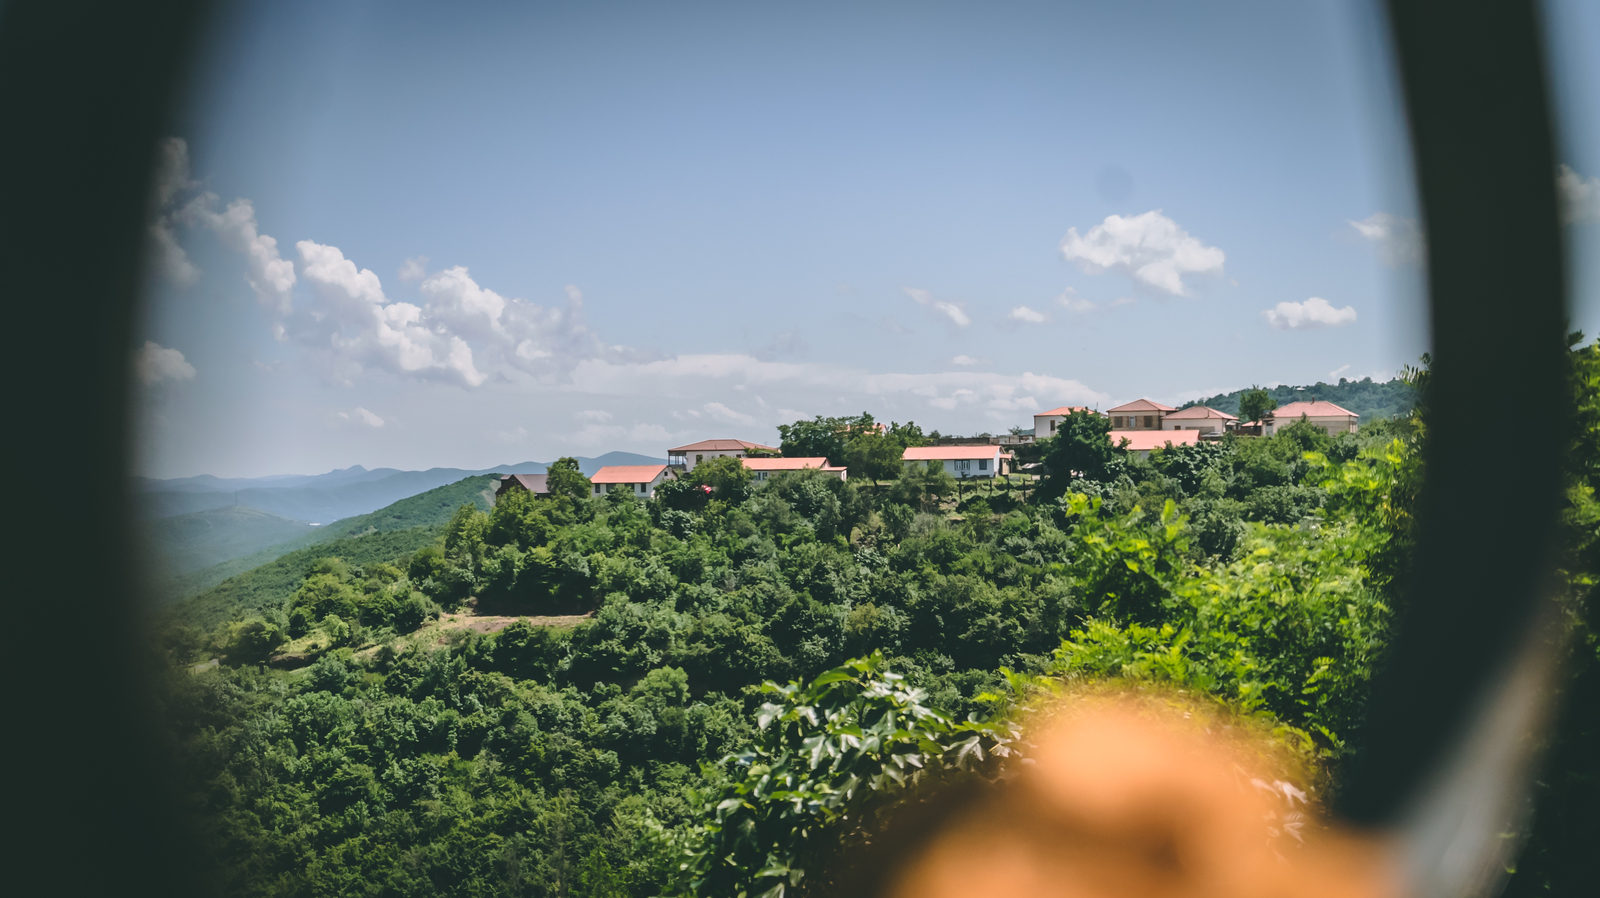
1331 418
1140 414
686 457
764 468
1200 418
1141 442
1045 423
962 462
640 480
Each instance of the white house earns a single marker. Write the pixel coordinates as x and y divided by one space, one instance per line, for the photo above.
766 467
1331 418
686 457
962 461
1140 414
1045 423
1198 417
1140 442
641 480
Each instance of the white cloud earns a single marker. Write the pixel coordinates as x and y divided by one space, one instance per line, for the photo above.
1399 238
171 181
154 363
1150 248
1123 301
1023 313
414 268
950 309
1314 312
512 436
355 322
723 413
1580 196
964 360
1338 371
595 414
1070 299
270 276
368 418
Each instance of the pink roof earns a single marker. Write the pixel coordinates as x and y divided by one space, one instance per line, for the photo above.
949 453
1316 409
718 446
1200 411
1145 440
1065 410
627 473
1143 405
787 464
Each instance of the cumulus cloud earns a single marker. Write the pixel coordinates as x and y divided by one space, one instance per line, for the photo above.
154 363
362 415
1314 312
1399 239
1023 313
414 269
1338 371
357 324
964 360
949 309
1150 248
269 275
723 413
1580 196
1072 302
172 181
595 414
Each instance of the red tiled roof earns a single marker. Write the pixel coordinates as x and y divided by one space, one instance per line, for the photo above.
787 464
1145 440
718 446
533 483
627 473
1065 410
1314 409
1200 411
950 453
1142 405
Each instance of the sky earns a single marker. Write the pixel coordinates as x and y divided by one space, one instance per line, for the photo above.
412 235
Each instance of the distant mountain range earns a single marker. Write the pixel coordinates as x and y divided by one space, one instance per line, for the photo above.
324 498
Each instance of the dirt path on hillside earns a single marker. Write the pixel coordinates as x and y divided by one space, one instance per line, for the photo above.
489 623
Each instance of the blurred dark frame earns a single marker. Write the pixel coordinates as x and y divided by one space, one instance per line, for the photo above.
87 88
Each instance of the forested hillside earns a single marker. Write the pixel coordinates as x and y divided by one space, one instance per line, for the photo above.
265 578
627 755
1372 400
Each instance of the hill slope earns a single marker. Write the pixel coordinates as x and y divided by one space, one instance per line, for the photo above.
327 497
239 580
188 542
1370 399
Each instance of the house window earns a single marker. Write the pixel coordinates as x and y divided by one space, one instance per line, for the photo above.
983 464
699 458
597 489
1054 425
963 465
1147 420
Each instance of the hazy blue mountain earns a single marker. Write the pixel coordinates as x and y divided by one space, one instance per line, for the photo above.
189 542
324 498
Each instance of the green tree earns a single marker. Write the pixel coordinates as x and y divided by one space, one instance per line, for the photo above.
1081 448
563 478
822 437
1254 403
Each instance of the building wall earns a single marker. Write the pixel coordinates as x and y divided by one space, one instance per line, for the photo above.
1139 421
641 490
1333 424
1204 425
971 471
694 458
1045 425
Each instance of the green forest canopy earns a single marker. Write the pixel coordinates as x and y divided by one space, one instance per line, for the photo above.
593 760
1372 400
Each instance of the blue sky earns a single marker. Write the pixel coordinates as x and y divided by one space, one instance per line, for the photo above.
502 232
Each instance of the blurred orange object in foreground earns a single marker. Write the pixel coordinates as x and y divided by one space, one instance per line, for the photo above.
1118 799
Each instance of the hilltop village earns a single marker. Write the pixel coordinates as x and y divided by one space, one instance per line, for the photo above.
1137 427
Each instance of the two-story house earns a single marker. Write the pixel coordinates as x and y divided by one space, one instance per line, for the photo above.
1140 414
1045 423
1331 418
686 457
